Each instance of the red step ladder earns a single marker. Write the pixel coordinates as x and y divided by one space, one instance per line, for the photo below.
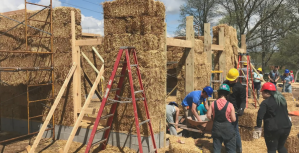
242 75
114 102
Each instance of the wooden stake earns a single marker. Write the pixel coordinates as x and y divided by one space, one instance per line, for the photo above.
189 81
85 106
51 112
208 42
222 58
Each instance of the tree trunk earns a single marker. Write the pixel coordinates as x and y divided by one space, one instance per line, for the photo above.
296 75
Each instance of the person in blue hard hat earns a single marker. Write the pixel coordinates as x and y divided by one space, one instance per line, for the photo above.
195 98
172 116
287 79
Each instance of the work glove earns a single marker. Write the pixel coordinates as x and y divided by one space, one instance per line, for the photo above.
257 133
240 111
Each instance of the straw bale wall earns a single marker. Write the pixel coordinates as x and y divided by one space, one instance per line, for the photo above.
15 82
140 24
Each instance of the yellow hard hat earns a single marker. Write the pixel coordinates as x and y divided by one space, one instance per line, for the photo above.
260 69
245 63
232 75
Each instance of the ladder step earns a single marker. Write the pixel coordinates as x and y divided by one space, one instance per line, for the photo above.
244 84
134 65
107 116
35 85
103 129
241 76
117 101
243 61
216 81
36 116
146 121
137 99
40 100
115 89
140 91
99 142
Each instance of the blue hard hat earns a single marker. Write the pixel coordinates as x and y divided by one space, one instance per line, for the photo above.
286 71
173 103
209 90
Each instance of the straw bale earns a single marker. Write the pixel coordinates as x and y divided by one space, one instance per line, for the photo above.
292 143
246 133
188 147
248 119
256 145
206 144
288 96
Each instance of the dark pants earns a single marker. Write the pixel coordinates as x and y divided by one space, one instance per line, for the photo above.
275 140
230 145
238 137
257 87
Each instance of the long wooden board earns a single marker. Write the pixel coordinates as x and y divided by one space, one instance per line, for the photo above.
82 113
178 42
89 42
189 83
51 112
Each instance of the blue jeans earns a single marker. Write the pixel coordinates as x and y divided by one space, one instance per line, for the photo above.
230 145
288 88
238 137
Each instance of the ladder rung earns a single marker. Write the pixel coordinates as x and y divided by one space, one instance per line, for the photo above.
103 129
107 116
241 76
243 61
115 89
99 142
244 84
140 91
34 85
134 65
129 98
37 36
214 90
40 100
36 116
119 75
117 101
146 121
216 81
126 47
37 4
217 71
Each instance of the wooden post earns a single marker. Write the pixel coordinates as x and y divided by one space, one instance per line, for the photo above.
52 110
243 43
222 58
189 80
84 108
208 42
77 74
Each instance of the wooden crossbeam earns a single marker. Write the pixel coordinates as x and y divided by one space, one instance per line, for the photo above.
89 42
178 42
217 47
52 110
91 35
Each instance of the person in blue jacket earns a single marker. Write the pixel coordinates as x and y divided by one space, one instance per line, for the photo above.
193 100
287 81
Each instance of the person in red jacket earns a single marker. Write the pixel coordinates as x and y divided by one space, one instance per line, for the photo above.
291 73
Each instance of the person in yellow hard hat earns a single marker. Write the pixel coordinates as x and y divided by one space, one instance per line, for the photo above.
257 78
237 97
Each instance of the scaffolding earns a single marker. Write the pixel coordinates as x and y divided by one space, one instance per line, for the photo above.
28 69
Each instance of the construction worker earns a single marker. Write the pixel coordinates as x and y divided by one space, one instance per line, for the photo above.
223 115
274 76
195 98
287 79
277 125
292 74
172 111
237 97
257 78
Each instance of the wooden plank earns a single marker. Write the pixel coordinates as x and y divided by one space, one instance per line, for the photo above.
217 47
89 111
85 106
76 95
243 43
178 42
222 58
52 110
91 35
90 63
208 42
189 79
97 53
241 50
89 42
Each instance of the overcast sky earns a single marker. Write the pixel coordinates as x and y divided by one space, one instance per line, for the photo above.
92 17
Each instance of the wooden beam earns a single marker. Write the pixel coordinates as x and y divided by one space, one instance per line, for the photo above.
243 43
85 106
217 47
52 110
178 42
91 35
90 63
100 57
208 42
77 74
222 58
189 79
89 42
241 50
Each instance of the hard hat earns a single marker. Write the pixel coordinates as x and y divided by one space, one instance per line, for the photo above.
260 69
224 87
232 75
173 103
209 90
269 86
245 63
286 71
